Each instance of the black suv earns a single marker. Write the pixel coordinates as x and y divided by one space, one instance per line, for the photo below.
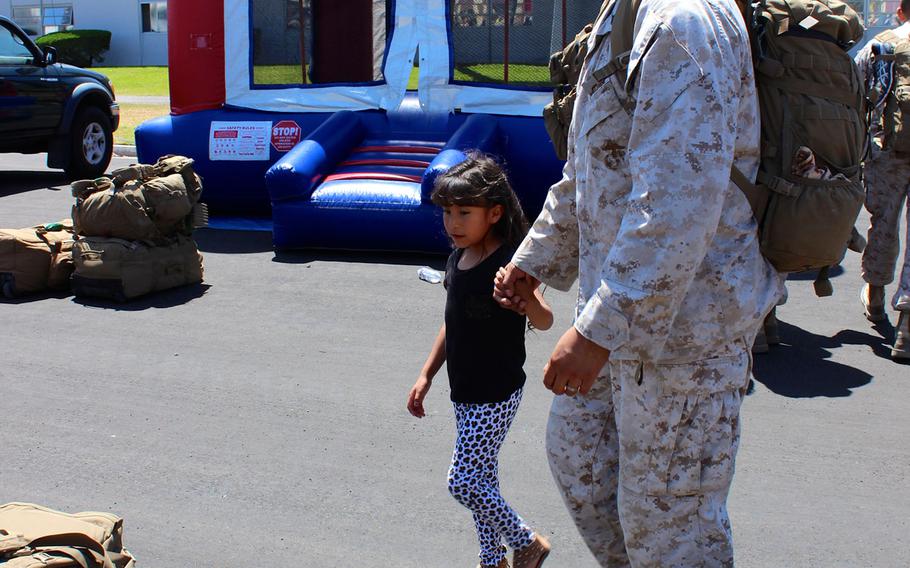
50 107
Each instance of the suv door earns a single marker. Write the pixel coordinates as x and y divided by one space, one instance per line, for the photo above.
31 97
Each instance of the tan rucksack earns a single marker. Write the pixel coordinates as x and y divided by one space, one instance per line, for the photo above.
813 128
120 270
140 202
565 67
32 536
895 135
35 259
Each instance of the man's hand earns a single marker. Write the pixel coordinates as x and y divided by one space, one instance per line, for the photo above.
504 291
574 365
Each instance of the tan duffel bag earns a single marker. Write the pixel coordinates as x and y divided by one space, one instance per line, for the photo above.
141 202
119 270
32 536
35 259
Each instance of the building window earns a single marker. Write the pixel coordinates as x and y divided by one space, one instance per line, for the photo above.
56 18
154 17
28 18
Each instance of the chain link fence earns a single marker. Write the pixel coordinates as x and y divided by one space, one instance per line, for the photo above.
509 42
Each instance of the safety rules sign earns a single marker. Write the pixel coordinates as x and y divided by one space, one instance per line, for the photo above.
285 135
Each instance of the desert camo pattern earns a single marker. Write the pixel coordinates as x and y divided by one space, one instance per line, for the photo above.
671 280
664 246
887 193
887 190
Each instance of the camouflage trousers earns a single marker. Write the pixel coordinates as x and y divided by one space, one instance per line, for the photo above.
644 462
887 187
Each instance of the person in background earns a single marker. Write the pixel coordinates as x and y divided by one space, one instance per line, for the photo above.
885 65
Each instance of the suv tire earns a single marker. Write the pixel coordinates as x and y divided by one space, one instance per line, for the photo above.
91 144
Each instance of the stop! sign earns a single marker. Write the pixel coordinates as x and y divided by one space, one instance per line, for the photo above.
285 135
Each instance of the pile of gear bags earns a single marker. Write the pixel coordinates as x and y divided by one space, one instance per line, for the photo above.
130 235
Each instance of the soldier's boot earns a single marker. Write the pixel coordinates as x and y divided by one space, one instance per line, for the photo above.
772 329
533 555
873 300
901 349
504 563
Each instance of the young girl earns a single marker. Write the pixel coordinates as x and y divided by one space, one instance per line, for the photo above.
483 347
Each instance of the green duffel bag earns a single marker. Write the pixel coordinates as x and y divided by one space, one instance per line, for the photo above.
35 259
120 270
32 536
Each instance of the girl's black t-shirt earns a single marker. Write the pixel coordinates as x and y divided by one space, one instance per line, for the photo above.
485 344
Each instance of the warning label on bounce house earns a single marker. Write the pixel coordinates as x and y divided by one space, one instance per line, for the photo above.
285 135
241 141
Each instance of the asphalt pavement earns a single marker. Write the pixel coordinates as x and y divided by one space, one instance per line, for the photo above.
259 419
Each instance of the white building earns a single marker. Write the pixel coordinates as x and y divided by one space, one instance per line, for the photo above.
138 28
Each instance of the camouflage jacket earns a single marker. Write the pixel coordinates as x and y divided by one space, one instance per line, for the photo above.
663 244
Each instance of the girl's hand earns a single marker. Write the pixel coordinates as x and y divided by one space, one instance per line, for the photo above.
504 287
415 397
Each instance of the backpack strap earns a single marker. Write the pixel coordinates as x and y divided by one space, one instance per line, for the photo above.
621 37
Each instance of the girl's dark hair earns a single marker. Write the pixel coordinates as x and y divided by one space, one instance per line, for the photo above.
480 181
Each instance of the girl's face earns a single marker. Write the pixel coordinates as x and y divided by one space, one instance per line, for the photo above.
469 225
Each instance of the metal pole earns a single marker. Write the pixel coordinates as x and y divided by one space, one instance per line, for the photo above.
302 41
505 70
565 25
41 18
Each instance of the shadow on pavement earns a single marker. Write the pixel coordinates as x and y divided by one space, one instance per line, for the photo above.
164 299
12 183
800 367
59 294
232 242
402 259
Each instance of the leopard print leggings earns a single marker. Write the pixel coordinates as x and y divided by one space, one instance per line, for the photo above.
474 476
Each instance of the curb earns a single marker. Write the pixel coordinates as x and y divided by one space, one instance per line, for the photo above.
125 150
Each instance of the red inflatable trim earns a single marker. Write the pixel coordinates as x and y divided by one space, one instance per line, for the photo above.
371 175
196 54
399 149
386 162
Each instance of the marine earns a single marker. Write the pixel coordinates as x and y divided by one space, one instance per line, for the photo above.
885 65
672 287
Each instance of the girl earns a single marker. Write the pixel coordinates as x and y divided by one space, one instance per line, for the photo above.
483 347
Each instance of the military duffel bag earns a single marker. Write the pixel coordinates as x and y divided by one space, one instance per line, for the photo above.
32 536
119 270
141 202
35 259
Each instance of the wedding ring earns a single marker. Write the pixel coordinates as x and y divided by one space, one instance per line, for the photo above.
571 391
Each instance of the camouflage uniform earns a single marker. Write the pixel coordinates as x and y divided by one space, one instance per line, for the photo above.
671 281
887 189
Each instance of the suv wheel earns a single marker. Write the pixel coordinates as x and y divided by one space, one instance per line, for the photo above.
91 144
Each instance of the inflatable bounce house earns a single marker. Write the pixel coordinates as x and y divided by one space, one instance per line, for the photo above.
332 118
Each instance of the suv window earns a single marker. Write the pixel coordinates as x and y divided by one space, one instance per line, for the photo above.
12 51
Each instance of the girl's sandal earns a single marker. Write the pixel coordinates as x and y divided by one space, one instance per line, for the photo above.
504 563
533 555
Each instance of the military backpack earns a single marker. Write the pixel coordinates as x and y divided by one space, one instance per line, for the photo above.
32 536
891 92
813 126
141 202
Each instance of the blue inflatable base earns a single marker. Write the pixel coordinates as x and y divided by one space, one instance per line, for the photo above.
356 180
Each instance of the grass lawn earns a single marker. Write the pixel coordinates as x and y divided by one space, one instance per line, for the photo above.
153 81
529 75
137 81
519 75
131 116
